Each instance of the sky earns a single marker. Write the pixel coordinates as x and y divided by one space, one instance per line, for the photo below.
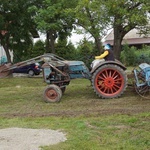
75 38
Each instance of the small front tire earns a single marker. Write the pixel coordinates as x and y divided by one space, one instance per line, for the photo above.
52 93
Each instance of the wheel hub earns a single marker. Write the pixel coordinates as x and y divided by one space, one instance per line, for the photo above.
51 94
109 82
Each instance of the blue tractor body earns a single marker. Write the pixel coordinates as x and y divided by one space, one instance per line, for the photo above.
66 71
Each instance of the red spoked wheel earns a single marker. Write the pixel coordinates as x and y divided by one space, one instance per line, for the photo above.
109 81
52 93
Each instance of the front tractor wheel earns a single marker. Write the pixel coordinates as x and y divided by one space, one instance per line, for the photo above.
109 81
52 93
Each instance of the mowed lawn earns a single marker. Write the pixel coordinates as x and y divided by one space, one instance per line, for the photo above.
90 123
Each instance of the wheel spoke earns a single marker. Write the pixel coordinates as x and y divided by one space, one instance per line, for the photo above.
119 79
106 72
101 84
110 90
113 74
110 72
143 91
115 77
116 87
104 75
101 78
105 89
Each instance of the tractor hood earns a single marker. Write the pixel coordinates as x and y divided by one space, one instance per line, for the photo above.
77 69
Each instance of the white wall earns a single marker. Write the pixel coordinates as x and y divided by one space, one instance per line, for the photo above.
2 53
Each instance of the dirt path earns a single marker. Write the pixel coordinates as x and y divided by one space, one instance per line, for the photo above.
28 139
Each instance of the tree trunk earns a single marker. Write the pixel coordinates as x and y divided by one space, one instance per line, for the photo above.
118 37
50 45
47 43
98 44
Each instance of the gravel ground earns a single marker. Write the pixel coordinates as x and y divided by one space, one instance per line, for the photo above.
28 139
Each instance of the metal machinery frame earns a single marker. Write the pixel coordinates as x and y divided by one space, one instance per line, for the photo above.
142 80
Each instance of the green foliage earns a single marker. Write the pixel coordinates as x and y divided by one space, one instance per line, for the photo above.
37 49
30 52
143 55
125 16
86 52
18 23
22 18
131 56
89 15
65 50
128 55
55 19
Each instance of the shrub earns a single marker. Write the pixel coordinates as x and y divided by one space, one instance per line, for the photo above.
131 56
143 55
128 56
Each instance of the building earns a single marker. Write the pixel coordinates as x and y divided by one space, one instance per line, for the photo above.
132 38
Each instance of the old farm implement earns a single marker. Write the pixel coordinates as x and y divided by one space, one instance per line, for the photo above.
142 80
57 73
108 78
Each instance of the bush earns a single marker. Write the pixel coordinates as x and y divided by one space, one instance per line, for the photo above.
143 55
128 56
131 56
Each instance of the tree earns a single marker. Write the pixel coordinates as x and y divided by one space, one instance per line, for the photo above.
17 27
65 50
126 15
86 51
89 14
54 19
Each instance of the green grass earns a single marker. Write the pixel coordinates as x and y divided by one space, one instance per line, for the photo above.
89 123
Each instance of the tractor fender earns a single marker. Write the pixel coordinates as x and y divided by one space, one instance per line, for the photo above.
116 62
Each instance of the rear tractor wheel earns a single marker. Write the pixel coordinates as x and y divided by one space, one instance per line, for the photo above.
109 81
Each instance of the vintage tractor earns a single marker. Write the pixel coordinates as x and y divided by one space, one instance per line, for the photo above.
142 80
108 78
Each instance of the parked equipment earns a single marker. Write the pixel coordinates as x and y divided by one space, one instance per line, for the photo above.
108 78
142 80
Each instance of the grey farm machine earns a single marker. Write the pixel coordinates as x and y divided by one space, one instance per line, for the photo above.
108 78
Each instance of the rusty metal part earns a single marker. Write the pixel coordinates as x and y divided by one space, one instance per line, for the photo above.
143 91
4 70
7 69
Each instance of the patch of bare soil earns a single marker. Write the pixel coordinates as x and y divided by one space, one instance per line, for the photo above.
28 139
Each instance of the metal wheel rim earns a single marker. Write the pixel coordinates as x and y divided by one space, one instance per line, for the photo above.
109 82
51 94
